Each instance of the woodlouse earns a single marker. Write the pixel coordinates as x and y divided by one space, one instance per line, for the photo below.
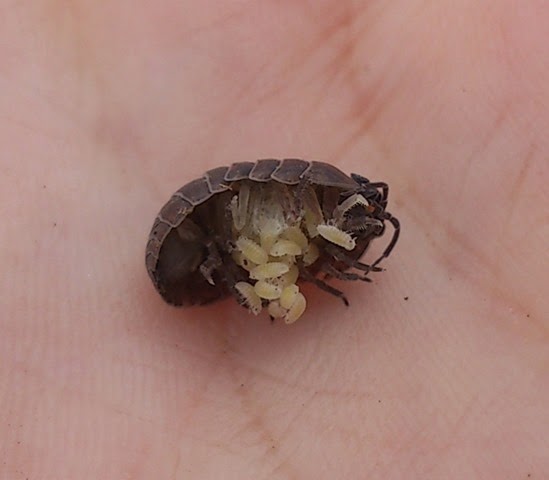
255 230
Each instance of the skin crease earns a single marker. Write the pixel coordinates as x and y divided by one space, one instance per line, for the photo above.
106 109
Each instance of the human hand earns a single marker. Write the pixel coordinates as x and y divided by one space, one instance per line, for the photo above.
109 108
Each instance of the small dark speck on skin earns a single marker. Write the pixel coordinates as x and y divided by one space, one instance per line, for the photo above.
55 224
379 401
241 384
406 298
527 315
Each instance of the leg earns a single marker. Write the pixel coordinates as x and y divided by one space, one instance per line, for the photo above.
331 271
351 263
323 286
385 192
396 225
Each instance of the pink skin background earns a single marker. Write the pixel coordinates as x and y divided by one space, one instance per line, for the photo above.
106 108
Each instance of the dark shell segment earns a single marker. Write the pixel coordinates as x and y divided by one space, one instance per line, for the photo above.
290 171
159 230
195 192
216 179
327 175
175 211
239 171
263 169
150 261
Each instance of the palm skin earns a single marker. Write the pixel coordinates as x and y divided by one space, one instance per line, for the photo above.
108 109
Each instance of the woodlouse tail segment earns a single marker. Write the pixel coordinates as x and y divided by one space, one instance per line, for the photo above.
212 263
207 269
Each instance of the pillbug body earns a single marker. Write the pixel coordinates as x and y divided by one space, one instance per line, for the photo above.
254 230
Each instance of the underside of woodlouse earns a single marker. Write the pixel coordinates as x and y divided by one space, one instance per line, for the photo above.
256 230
